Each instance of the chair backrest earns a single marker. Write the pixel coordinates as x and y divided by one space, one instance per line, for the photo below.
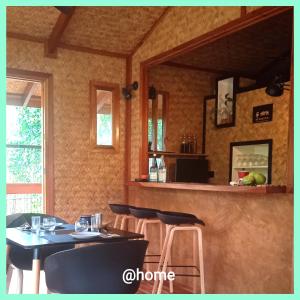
95 269
16 220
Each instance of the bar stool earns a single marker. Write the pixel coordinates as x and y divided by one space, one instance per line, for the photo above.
176 221
145 217
122 214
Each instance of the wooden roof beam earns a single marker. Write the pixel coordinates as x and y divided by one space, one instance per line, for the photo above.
28 93
57 32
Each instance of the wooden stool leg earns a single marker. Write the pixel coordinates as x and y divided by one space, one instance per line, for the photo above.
9 273
171 284
116 221
145 232
123 222
160 237
165 264
162 256
138 226
19 281
201 263
194 261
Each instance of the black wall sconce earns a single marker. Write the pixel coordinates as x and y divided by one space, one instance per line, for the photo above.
152 93
126 91
276 87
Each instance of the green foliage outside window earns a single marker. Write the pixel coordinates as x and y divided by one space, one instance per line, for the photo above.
24 163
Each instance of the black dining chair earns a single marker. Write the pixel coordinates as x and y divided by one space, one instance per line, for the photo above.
20 259
96 269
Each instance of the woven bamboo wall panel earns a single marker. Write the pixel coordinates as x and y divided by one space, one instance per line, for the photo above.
85 180
36 21
116 29
186 90
180 25
218 140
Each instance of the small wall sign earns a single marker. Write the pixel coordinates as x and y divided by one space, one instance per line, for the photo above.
262 113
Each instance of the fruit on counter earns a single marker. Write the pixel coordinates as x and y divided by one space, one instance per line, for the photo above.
248 180
259 178
254 178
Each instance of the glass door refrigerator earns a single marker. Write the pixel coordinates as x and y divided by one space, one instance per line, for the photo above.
251 156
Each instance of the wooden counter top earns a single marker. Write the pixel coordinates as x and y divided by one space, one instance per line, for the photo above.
263 189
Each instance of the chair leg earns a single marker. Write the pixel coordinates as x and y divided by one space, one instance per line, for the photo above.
116 221
145 232
162 256
9 273
201 263
166 260
19 281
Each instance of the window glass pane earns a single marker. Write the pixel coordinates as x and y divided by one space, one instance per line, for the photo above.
23 144
104 117
160 125
150 125
23 165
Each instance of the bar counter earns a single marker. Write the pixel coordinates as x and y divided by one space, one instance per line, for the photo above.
247 239
262 189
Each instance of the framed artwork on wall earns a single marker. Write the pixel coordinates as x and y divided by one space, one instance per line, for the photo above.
225 102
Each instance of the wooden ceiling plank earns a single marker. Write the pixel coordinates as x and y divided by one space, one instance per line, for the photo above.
209 70
155 24
57 32
28 93
92 50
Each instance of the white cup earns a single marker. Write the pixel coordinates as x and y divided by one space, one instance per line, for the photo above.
35 223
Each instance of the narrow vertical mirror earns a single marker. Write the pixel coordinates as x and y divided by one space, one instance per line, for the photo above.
104 131
104 118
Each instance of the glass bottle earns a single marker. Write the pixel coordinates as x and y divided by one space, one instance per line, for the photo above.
162 170
153 170
183 145
195 143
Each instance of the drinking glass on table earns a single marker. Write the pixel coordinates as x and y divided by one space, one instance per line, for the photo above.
49 224
81 225
35 223
96 222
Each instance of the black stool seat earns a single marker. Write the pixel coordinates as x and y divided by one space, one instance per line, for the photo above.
143 212
120 209
177 218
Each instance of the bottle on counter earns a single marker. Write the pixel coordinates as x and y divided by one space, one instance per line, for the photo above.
195 143
162 170
153 173
190 148
183 145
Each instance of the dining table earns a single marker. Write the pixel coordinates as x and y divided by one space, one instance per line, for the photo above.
35 241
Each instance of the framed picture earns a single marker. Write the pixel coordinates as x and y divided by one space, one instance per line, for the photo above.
225 102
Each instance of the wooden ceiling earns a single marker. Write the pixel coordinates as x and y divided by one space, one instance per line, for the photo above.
246 53
116 31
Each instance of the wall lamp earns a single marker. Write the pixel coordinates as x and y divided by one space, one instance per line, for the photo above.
126 91
276 87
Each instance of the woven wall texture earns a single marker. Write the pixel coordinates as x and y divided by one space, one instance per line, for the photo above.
245 130
85 180
36 21
180 25
186 90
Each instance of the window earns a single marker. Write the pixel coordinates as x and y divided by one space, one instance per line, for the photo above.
157 122
104 129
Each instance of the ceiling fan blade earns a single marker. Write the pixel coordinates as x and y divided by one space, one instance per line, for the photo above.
65 9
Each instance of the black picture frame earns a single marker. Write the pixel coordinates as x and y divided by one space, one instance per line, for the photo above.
269 142
223 111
